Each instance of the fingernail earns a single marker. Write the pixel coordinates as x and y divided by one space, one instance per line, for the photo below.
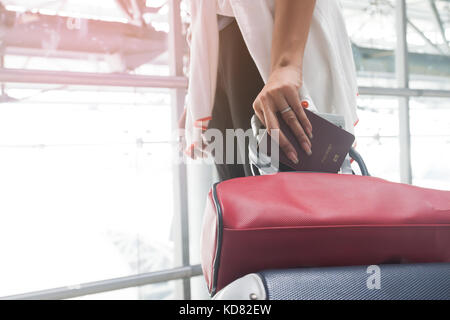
305 104
309 143
307 149
293 157
310 135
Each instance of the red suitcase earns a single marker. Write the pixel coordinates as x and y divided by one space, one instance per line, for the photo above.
303 219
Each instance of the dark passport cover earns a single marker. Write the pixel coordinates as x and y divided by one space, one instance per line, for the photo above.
330 145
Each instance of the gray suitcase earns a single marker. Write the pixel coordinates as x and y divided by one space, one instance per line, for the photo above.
385 282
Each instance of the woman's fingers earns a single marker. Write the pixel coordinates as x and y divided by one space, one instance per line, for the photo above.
291 119
257 107
278 98
293 99
272 124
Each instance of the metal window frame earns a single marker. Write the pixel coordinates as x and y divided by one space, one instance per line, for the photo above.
91 79
176 50
179 83
84 289
402 74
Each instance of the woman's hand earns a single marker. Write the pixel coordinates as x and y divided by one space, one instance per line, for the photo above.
292 21
280 92
191 151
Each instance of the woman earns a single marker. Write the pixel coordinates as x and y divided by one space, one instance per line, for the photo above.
255 56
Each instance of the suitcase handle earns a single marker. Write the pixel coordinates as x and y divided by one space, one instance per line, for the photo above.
359 160
256 125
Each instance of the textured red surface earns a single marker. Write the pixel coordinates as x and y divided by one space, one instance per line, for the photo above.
317 219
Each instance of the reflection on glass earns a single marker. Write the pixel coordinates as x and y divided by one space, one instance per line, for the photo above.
377 136
430 142
86 184
371 27
86 36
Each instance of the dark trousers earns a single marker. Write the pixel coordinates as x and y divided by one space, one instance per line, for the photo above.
238 84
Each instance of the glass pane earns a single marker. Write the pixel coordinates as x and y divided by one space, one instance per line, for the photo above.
430 142
87 36
371 27
377 136
86 184
429 58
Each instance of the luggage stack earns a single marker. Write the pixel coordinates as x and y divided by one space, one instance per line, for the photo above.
306 235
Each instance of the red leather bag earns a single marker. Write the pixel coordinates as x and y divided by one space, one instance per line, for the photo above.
305 219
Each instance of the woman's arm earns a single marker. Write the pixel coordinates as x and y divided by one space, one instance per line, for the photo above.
291 28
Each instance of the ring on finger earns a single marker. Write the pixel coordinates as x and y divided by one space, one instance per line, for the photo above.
286 110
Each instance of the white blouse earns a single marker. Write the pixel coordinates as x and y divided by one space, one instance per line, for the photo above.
329 78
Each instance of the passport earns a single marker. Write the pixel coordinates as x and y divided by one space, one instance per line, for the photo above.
330 146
